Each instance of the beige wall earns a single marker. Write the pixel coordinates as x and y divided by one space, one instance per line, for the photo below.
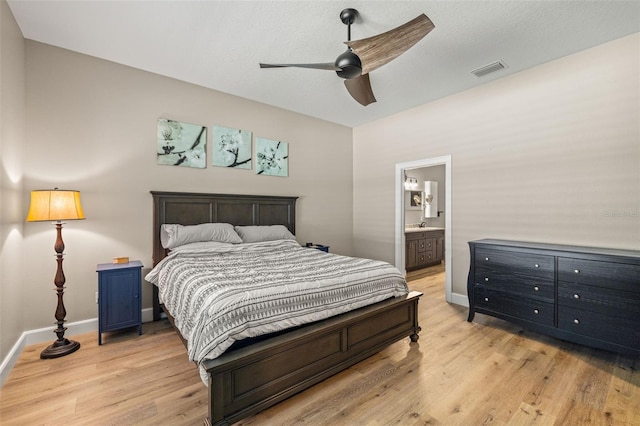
92 127
550 154
12 119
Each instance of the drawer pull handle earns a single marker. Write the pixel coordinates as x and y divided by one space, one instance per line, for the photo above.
577 271
536 265
486 299
576 296
486 279
536 288
486 258
535 311
576 321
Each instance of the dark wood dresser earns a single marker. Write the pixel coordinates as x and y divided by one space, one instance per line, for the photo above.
585 295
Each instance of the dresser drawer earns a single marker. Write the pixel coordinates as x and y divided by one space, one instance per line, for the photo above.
501 281
519 307
522 263
613 302
620 276
616 330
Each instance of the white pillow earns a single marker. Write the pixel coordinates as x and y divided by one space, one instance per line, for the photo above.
173 235
256 234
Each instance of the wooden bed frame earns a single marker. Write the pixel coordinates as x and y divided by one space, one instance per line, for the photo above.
251 378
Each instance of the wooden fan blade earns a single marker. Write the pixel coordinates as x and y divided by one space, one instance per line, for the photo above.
360 89
381 49
329 66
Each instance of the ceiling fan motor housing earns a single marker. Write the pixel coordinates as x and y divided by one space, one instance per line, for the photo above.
349 65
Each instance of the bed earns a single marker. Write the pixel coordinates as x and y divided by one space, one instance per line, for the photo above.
259 372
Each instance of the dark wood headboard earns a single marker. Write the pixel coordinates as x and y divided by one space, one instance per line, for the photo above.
186 208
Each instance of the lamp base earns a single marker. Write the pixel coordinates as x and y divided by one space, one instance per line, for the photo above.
60 348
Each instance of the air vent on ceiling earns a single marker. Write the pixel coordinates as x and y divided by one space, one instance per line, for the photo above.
488 69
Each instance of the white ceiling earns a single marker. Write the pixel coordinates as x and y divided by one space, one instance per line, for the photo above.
218 44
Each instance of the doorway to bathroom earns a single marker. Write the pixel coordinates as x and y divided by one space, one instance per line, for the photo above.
429 169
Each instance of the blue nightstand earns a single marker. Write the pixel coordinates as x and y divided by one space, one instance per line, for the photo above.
119 296
318 247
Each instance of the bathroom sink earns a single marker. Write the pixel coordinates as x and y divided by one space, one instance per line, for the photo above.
426 228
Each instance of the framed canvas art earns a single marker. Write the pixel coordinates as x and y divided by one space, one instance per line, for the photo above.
231 147
416 199
181 144
272 157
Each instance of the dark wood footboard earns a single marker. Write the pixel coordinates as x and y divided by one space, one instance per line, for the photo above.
251 379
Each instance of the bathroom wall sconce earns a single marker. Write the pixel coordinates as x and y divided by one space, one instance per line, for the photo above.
410 183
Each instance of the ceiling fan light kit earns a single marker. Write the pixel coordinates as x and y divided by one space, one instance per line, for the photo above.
365 55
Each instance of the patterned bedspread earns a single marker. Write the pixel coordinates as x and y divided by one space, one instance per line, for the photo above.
221 295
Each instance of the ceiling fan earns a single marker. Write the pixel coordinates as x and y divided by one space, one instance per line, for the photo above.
368 54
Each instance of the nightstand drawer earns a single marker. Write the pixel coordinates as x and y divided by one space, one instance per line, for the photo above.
518 307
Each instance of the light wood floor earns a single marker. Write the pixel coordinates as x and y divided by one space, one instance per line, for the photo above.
486 372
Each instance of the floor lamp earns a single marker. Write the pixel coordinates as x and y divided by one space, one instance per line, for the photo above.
57 205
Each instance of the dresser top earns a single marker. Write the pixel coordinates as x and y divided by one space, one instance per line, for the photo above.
635 254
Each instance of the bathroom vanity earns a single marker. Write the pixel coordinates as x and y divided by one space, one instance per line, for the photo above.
423 247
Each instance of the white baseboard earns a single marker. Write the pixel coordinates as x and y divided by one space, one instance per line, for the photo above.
40 335
147 315
10 360
460 299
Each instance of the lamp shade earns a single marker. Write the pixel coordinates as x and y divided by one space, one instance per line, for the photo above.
55 204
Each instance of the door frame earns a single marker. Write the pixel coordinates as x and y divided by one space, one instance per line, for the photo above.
401 168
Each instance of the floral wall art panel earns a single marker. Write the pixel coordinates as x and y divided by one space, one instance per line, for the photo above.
231 147
272 157
181 144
